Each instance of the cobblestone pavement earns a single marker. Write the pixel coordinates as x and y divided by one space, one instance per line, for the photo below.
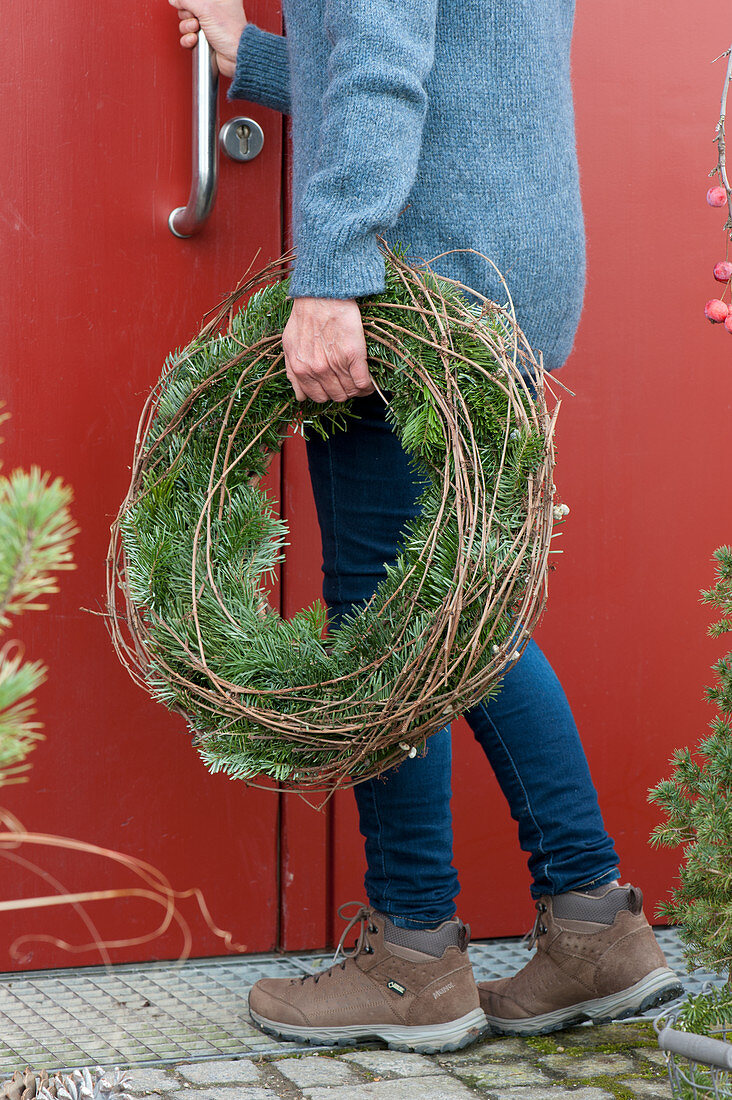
619 1061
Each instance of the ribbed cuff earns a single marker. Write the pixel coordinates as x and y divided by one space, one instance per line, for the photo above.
329 267
262 69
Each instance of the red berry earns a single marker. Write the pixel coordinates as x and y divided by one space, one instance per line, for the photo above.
723 271
716 311
728 322
717 196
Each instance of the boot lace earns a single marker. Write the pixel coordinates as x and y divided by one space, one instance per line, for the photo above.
539 928
361 945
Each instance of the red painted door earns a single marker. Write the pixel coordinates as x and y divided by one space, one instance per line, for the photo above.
96 138
641 450
96 291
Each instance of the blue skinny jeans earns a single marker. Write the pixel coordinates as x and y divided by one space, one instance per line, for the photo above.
365 489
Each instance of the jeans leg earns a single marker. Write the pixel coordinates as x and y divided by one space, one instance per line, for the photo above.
404 816
530 737
365 491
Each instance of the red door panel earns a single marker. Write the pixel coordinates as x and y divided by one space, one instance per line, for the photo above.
96 140
306 823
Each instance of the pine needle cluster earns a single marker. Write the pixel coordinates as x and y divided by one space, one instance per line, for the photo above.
36 532
697 802
199 540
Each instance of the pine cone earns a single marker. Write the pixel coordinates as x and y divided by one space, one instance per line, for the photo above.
80 1085
24 1086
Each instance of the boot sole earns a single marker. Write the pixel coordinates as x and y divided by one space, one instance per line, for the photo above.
428 1039
655 989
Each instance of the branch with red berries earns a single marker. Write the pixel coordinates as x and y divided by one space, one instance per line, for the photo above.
717 310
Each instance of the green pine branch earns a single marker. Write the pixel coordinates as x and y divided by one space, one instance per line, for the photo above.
697 803
36 533
18 732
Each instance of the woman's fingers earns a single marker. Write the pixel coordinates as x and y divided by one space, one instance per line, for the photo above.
188 28
222 21
307 388
334 386
188 25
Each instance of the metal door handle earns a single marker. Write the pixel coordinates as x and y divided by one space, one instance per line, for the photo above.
186 220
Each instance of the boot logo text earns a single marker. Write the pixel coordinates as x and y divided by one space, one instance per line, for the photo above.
445 988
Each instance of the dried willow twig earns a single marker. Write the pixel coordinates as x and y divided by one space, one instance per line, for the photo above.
720 138
345 726
155 887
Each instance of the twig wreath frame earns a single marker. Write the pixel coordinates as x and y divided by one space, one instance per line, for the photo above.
196 539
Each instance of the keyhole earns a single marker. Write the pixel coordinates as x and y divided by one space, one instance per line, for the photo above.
241 138
243 133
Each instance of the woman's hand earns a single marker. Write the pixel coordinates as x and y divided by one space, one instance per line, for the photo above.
222 21
325 350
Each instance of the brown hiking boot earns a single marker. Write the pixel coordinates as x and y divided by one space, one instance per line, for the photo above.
597 959
413 989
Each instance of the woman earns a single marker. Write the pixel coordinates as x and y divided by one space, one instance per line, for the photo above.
441 126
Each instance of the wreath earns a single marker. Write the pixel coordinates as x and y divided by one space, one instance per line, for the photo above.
197 542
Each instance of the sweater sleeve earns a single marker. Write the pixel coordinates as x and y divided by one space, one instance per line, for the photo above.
262 69
373 114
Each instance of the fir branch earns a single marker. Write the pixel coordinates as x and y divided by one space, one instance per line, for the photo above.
36 531
697 802
18 732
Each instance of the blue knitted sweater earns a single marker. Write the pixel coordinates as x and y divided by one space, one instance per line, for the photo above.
438 124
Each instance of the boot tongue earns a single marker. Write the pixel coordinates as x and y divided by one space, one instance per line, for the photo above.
635 899
599 906
430 941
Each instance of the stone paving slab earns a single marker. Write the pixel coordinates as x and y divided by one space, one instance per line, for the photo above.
394 1063
656 1057
593 1065
649 1090
142 1082
514 1075
556 1093
241 1072
225 1093
500 1050
316 1070
413 1088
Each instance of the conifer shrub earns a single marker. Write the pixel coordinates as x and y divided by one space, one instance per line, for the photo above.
696 802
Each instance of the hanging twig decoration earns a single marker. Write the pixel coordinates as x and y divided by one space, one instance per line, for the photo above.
716 310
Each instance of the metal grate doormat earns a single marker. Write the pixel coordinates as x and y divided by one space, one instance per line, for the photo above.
163 1013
